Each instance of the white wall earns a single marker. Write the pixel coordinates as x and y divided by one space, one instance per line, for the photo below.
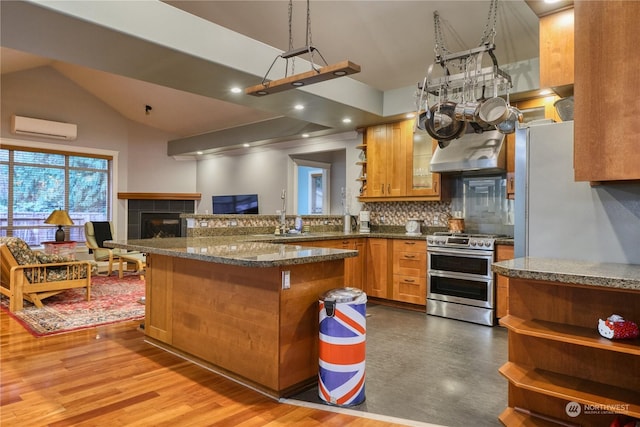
267 170
142 164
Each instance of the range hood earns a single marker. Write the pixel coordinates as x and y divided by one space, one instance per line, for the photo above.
473 153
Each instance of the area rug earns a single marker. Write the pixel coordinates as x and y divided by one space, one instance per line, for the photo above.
112 300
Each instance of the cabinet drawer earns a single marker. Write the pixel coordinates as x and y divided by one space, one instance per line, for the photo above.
410 289
410 264
419 246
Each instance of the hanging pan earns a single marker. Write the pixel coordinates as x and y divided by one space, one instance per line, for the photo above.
442 124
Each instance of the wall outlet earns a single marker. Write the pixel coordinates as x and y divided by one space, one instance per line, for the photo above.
233 223
286 279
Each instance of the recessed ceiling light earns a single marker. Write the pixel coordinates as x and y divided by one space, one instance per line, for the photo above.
246 145
236 90
410 115
346 120
297 84
299 107
199 153
305 135
545 92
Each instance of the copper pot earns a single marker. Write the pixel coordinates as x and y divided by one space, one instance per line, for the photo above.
456 225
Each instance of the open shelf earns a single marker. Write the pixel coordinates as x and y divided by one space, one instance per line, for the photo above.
572 388
586 337
556 354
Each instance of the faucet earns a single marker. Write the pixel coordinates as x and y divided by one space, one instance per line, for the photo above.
283 212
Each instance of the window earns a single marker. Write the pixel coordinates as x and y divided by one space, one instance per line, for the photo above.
34 182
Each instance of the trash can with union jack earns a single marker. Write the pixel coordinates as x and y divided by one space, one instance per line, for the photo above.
341 374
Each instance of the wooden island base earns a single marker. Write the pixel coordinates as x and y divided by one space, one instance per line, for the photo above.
239 320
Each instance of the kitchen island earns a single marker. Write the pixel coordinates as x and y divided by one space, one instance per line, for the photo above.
559 366
245 309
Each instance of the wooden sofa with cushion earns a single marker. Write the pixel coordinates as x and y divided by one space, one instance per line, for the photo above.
34 276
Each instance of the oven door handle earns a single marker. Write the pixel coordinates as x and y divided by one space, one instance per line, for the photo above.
454 252
488 279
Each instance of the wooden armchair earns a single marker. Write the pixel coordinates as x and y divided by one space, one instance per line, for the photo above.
34 276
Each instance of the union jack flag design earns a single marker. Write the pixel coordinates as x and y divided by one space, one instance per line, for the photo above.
341 372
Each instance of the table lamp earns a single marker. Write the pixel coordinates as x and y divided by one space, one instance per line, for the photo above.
59 218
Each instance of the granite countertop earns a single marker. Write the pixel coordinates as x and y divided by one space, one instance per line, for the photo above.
252 250
238 250
611 275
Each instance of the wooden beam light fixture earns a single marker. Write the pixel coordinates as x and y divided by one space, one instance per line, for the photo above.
316 75
322 74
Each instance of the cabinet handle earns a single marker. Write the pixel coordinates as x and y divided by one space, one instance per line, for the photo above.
382 188
409 243
409 280
409 256
435 186
388 188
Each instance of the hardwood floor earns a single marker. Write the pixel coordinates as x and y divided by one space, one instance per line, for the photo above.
110 376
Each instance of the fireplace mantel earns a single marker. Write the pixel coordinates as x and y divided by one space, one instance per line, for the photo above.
160 196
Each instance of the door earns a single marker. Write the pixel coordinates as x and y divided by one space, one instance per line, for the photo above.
312 187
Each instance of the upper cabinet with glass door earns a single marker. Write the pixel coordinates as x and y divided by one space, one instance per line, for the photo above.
397 165
421 182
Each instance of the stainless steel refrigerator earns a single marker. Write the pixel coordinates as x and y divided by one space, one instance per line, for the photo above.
556 217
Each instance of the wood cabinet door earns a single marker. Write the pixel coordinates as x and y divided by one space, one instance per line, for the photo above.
377 275
503 253
606 81
376 161
159 293
386 159
556 49
398 137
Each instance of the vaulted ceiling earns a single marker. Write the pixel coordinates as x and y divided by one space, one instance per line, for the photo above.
182 57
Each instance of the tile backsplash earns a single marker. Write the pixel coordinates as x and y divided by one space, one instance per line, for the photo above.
434 214
480 200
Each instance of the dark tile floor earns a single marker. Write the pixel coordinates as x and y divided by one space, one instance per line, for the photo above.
431 370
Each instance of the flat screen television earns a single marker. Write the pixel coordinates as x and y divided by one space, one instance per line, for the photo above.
235 204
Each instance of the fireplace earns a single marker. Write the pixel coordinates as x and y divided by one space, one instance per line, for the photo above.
160 225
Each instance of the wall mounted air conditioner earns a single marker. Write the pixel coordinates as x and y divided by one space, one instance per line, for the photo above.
43 128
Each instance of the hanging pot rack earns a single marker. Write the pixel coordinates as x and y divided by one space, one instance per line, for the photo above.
459 88
490 76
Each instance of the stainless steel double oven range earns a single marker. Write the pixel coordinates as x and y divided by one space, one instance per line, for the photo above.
460 282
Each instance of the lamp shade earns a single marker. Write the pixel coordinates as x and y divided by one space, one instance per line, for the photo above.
59 217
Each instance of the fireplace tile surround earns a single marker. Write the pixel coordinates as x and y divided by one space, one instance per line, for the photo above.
136 207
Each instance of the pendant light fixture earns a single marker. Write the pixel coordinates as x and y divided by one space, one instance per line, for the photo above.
316 75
